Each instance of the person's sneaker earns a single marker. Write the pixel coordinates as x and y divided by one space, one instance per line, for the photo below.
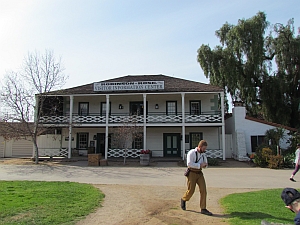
206 212
182 204
292 179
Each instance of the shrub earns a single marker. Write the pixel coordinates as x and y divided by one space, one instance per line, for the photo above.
275 162
262 156
213 161
288 158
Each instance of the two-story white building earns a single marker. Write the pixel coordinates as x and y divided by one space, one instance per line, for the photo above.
173 114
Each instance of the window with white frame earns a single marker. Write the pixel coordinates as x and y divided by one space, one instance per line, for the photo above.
82 140
195 107
138 142
171 108
195 138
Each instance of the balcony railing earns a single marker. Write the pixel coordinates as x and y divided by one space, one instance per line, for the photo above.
204 117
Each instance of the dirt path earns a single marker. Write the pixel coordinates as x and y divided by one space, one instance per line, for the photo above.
155 205
150 205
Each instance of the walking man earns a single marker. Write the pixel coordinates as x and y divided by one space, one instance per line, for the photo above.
196 161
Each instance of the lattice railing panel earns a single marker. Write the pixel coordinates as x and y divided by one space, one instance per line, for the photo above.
61 152
126 119
214 153
89 119
209 118
203 118
116 153
164 118
54 119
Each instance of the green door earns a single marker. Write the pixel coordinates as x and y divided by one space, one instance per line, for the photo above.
172 145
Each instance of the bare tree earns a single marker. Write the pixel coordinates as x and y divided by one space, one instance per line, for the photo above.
24 93
123 136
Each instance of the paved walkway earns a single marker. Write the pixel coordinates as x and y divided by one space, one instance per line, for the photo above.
163 173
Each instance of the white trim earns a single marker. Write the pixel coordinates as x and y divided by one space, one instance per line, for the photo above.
70 126
141 93
106 126
145 121
183 125
223 125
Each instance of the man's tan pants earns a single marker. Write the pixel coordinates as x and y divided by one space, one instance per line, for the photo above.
192 180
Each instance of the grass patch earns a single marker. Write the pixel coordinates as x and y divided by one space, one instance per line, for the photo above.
253 207
34 202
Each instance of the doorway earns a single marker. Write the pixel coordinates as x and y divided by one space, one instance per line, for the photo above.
171 144
101 144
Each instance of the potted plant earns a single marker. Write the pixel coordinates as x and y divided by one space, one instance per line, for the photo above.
145 157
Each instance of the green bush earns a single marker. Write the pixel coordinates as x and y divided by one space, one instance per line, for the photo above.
213 162
262 155
288 158
275 162
266 156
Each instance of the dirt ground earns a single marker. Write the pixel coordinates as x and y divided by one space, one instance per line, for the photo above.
155 205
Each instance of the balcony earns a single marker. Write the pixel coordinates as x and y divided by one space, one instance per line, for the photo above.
151 118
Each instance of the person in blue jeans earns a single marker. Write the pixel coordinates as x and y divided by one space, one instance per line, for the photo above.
291 198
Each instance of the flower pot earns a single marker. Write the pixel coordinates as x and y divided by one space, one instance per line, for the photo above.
145 159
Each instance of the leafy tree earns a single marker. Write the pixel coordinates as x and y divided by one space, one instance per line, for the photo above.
260 69
24 93
275 135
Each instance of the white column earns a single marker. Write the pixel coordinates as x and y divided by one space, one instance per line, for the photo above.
70 126
223 125
145 120
183 125
37 109
106 126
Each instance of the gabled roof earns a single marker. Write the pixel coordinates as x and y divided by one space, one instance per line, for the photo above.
229 115
171 84
270 123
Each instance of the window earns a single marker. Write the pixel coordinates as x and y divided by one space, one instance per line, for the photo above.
103 109
195 138
82 140
195 107
256 141
138 142
172 108
137 108
83 109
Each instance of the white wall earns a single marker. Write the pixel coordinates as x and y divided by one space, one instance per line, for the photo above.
2 146
152 99
239 124
155 137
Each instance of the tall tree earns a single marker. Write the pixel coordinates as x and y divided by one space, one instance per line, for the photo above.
258 68
25 91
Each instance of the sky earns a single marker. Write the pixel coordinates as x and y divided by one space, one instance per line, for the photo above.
104 39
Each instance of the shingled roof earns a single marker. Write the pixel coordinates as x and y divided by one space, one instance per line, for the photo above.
171 84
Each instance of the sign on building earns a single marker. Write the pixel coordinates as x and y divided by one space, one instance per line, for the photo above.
129 86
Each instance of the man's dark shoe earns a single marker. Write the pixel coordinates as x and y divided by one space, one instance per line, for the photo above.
182 204
292 179
206 212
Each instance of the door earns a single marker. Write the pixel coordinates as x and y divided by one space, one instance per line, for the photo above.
137 108
228 146
172 145
100 144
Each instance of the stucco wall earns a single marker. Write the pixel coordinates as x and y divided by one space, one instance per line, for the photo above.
238 124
